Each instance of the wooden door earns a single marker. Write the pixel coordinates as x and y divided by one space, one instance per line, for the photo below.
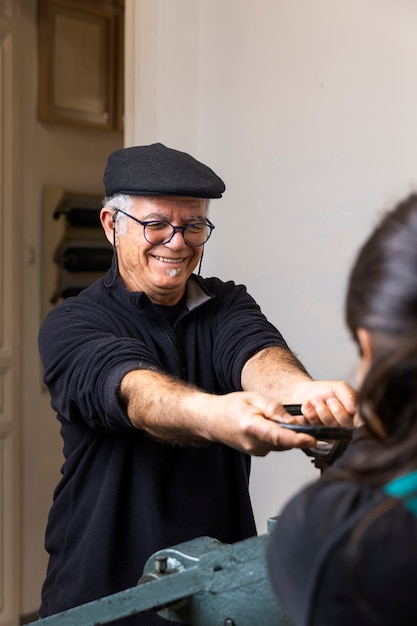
10 285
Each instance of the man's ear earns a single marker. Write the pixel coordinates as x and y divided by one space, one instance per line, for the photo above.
107 217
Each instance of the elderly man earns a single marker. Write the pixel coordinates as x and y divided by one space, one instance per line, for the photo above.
164 384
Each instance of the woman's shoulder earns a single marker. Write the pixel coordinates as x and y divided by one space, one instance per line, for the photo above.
336 529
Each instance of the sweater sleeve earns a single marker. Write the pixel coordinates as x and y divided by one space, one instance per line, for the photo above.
241 331
85 355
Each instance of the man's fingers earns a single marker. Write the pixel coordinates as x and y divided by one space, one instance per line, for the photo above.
330 413
287 439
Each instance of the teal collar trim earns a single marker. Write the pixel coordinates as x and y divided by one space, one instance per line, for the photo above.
404 488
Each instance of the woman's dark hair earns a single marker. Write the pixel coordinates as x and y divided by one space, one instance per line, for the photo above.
382 298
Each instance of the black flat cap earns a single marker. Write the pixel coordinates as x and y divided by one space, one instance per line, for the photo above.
158 170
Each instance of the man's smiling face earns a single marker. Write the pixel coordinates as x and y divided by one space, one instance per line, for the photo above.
162 270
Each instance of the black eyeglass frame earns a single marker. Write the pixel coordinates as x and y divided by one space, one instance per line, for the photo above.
182 229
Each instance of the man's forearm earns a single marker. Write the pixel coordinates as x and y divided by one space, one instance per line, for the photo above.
164 407
173 411
277 373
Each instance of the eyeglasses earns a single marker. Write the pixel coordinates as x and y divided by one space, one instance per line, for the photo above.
156 232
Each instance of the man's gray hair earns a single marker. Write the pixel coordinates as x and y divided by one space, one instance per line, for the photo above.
125 202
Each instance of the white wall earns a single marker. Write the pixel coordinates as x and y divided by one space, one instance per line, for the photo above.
307 109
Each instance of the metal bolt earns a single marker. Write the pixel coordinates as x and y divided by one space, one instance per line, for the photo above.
161 563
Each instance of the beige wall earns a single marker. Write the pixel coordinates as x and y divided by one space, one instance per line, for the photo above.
307 109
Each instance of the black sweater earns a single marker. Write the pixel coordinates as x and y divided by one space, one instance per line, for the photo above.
123 494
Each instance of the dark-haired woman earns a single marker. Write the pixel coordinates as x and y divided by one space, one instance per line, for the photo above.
344 551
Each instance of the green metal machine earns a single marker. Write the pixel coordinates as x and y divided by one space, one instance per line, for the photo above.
201 582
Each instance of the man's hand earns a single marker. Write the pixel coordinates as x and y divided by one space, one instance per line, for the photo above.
332 403
247 421
277 374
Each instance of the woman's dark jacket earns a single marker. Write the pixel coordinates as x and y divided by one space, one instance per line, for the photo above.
344 553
